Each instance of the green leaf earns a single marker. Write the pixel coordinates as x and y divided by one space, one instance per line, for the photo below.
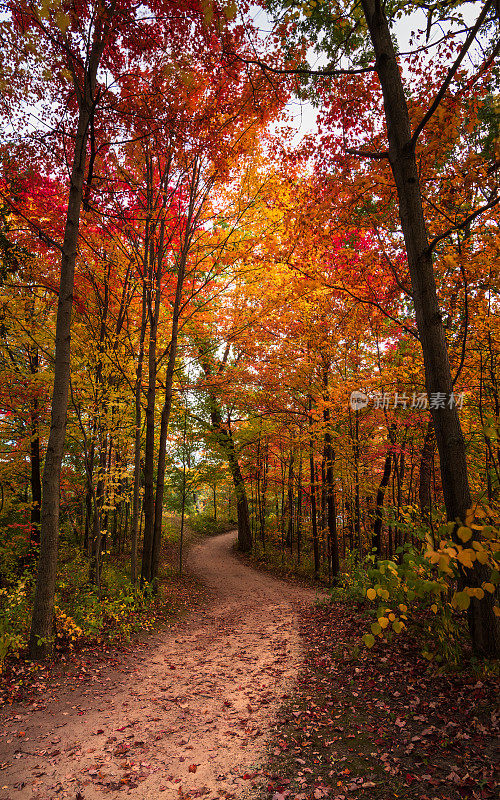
461 600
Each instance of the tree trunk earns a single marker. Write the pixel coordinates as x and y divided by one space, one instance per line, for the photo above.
137 443
35 464
43 606
289 530
165 413
484 627
333 549
377 527
425 472
225 441
149 450
314 515
244 530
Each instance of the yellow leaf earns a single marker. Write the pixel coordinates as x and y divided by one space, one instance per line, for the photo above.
434 608
371 594
464 533
488 587
62 21
461 600
383 622
466 557
496 611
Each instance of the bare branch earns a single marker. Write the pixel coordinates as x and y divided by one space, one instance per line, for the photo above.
451 73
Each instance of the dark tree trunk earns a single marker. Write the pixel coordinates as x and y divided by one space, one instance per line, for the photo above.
244 531
377 527
43 606
314 513
333 549
289 530
35 463
484 627
167 406
137 443
224 439
149 450
425 472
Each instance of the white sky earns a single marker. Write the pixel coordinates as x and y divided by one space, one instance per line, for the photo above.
303 114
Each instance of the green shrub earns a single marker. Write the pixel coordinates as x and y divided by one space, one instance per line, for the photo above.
206 525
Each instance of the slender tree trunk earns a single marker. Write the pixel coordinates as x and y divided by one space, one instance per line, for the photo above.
43 606
333 550
299 509
149 450
289 530
95 557
35 463
314 514
425 472
377 528
137 438
484 627
244 531
165 416
183 505
225 441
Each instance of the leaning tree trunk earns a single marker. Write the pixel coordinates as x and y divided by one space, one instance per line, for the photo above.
225 441
484 628
43 607
244 530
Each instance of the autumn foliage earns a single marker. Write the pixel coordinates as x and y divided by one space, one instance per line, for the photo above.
192 298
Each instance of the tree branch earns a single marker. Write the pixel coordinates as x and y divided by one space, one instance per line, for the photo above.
495 199
451 72
301 71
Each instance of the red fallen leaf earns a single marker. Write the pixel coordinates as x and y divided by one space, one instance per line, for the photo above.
193 767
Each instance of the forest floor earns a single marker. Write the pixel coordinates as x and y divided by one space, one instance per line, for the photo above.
381 724
183 712
258 692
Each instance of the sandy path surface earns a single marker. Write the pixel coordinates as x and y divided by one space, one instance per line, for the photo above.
187 714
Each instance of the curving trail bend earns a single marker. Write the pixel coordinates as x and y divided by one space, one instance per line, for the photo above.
188 713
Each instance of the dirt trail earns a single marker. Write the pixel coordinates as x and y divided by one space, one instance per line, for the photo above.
187 714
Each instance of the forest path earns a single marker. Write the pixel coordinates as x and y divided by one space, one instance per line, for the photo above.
186 714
